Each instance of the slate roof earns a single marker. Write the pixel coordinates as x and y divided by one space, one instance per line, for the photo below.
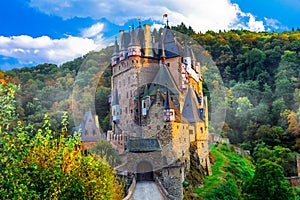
82 129
190 109
166 79
116 49
143 145
169 45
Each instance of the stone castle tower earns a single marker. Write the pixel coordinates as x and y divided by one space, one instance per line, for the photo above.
157 106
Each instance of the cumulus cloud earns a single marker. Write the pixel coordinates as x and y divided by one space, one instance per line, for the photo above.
202 15
93 31
44 49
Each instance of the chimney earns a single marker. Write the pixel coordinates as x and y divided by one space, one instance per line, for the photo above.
148 41
121 38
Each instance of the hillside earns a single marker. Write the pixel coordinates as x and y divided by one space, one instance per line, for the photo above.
230 170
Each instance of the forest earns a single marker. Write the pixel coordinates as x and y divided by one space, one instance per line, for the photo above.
259 77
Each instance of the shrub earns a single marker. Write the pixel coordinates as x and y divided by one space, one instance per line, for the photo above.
48 167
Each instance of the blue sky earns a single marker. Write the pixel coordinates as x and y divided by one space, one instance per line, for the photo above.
55 31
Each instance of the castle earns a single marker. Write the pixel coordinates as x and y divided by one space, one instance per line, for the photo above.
158 108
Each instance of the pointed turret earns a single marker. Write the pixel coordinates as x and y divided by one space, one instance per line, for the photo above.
190 109
193 58
134 48
169 113
124 39
187 60
115 56
171 47
163 54
164 78
115 107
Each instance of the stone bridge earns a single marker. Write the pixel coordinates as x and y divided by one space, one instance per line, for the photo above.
148 190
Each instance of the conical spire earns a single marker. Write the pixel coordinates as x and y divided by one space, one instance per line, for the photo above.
167 101
193 57
146 91
169 113
190 109
165 78
133 39
116 48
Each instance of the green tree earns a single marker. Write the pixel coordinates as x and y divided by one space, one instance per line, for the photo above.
103 150
268 183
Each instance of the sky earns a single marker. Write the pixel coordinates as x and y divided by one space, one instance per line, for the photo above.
56 31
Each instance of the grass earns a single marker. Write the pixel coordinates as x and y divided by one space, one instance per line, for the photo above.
229 166
211 182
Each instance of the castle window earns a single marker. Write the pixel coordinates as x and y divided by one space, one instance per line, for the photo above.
130 93
168 64
132 61
201 129
127 94
202 145
184 139
128 79
126 110
191 131
131 111
119 67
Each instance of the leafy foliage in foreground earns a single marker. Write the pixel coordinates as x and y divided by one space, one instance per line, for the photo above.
42 166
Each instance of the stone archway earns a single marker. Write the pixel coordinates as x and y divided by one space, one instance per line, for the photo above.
144 171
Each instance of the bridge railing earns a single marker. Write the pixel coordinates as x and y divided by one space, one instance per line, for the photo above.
130 190
164 191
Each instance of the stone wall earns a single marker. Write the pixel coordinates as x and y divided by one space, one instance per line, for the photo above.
172 178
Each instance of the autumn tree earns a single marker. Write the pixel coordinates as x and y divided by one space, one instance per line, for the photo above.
39 165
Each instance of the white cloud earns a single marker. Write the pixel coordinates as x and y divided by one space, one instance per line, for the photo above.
274 24
44 49
202 15
93 31
254 25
